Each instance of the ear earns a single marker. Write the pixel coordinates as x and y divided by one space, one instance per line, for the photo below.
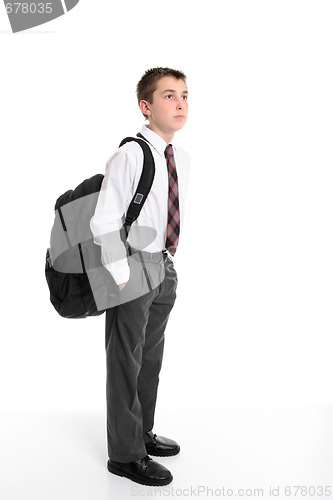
144 106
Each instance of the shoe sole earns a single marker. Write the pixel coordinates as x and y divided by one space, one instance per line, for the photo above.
170 453
145 482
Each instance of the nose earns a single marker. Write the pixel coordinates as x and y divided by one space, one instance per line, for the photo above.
180 104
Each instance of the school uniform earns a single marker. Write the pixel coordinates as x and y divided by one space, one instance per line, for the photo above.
134 329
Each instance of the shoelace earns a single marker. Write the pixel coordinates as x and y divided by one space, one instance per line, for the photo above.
143 461
153 441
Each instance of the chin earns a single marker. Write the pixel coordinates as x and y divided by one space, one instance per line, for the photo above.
179 126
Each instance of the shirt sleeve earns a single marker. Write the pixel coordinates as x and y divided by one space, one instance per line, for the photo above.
109 217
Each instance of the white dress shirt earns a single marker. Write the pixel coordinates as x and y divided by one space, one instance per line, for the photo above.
122 174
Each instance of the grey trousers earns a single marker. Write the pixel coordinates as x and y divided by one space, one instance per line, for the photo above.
134 341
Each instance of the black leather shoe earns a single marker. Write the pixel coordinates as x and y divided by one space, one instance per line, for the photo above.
160 446
144 471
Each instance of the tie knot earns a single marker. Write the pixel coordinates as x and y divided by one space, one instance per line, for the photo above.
168 150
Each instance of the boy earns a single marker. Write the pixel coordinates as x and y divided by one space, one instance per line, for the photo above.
134 330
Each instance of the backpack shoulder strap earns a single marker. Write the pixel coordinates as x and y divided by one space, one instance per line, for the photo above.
145 181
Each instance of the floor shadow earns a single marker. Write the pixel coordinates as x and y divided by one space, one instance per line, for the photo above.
29 32
86 431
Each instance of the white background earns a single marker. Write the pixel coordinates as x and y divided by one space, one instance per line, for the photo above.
246 385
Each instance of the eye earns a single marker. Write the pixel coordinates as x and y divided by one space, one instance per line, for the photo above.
184 97
169 96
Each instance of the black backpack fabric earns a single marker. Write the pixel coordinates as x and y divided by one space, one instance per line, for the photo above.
73 260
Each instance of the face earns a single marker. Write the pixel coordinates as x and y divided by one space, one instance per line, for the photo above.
168 111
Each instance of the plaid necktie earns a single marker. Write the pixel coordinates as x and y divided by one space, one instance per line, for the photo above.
173 204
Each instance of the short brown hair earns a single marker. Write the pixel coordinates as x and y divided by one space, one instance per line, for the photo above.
148 83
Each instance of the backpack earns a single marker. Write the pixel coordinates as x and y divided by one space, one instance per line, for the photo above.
73 260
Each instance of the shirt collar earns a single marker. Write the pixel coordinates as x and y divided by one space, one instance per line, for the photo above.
155 140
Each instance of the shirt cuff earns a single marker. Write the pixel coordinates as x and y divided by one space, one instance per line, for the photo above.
119 271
